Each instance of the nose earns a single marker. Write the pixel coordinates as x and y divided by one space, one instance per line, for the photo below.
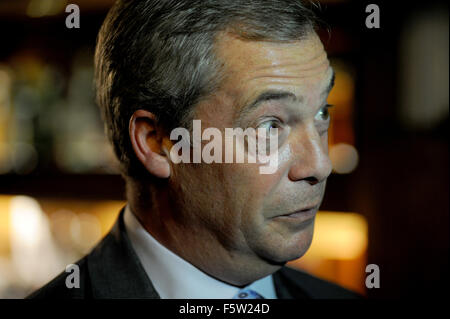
311 162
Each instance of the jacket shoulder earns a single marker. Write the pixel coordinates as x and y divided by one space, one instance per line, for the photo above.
300 284
111 270
57 288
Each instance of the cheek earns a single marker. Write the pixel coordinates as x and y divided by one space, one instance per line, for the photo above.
263 185
324 140
262 190
200 186
248 192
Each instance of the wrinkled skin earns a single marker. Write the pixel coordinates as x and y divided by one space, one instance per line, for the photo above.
226 219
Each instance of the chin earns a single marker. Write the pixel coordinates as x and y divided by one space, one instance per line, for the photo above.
279 250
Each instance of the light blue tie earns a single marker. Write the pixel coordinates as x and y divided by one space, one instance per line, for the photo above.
247 294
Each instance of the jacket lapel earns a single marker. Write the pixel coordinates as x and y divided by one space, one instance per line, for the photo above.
287 287
115 270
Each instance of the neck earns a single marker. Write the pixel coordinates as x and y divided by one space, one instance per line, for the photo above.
196 243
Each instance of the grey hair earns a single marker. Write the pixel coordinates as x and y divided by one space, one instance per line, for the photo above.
158 55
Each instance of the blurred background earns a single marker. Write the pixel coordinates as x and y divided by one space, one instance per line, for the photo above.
386 201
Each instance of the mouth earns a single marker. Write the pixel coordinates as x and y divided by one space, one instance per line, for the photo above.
303 214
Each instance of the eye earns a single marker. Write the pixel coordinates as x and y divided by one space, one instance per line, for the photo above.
269 125
274 130
324 114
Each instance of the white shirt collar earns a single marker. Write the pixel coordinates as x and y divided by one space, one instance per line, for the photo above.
174 277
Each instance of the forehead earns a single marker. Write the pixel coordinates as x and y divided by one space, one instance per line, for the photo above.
254 60
251 68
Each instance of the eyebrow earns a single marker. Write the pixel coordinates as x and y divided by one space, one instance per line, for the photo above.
331 84
277 95
269 95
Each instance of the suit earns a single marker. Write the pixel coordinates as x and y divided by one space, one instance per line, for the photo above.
113 270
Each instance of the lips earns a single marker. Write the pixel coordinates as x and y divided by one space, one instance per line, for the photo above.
300 212
298 218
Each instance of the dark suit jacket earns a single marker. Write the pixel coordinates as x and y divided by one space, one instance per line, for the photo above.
113 270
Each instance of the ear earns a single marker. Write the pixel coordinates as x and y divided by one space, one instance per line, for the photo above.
147 141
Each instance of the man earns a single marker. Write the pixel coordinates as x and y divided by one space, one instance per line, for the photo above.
210 230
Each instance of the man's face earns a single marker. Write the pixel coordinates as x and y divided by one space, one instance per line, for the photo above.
244 210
